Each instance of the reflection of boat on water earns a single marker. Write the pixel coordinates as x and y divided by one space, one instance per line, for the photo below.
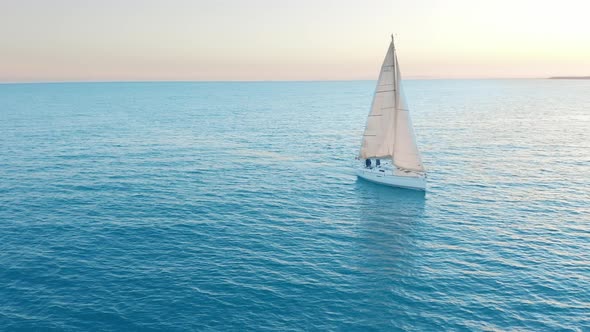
388 204
391 223
389 134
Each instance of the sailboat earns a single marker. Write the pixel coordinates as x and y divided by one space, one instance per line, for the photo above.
389 154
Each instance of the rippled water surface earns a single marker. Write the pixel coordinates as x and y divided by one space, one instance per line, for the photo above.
232 206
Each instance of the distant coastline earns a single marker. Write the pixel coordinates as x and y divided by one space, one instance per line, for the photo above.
569 78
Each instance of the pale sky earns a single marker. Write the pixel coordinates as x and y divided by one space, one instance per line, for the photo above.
128 40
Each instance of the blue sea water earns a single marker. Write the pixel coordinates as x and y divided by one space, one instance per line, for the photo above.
233 206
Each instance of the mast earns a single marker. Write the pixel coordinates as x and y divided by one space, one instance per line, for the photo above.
394 66
395 96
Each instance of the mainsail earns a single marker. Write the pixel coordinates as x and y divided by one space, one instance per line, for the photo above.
389 132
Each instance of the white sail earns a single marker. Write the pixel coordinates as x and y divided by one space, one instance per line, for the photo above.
389 132
406 154
379 133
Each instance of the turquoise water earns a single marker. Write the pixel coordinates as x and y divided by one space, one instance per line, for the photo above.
233 206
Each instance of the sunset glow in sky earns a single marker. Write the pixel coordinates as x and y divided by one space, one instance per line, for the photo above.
83 40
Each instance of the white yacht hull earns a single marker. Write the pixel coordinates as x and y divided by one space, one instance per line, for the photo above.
386 177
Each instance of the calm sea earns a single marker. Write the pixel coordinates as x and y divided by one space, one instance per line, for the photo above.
233 206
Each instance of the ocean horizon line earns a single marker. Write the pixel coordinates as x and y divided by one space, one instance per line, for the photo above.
269 81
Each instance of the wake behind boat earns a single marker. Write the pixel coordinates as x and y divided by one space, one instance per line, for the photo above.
389 154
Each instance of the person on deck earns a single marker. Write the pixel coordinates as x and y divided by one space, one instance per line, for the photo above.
368 163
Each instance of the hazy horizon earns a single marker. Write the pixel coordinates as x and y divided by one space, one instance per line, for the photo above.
272 81
264 40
